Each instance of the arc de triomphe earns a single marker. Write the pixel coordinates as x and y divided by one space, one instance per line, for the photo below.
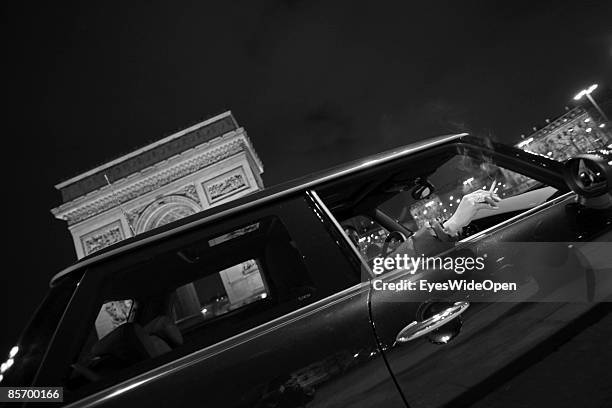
199 167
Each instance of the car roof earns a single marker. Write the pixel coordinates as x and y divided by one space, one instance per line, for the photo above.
260 197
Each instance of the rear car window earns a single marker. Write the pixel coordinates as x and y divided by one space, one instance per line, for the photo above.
187 298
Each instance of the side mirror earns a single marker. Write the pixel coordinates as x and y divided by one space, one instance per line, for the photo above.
590 175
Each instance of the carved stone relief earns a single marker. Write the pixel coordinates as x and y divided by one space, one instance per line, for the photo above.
164 210
187 191
102 237
226 184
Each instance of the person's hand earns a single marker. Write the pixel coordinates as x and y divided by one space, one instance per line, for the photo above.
470 205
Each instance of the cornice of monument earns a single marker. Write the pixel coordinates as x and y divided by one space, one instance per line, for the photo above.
147 156
160 174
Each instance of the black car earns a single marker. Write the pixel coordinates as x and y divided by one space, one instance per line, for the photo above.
278 299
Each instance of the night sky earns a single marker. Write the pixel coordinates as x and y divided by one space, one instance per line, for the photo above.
314 84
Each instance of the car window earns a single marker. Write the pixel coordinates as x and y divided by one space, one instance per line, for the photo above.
384 207
461 175
189 297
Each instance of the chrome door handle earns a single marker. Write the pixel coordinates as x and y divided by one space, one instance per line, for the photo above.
417 329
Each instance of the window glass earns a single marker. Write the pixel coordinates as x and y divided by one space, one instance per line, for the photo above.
462 175
217 294
382 210
195 295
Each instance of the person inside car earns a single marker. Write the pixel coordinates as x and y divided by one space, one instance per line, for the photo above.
437 236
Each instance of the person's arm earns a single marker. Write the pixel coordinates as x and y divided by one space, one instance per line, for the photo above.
436 237
468 207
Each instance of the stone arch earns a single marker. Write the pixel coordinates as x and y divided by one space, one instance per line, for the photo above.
165 210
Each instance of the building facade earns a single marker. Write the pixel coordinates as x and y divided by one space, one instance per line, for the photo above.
572 133
202 166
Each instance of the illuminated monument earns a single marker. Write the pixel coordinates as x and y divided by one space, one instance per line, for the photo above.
199 167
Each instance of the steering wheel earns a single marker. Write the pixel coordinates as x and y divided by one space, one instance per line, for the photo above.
393 235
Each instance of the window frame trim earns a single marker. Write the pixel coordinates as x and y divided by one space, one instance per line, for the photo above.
336 225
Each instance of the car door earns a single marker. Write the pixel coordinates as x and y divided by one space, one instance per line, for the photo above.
290 328
451 347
